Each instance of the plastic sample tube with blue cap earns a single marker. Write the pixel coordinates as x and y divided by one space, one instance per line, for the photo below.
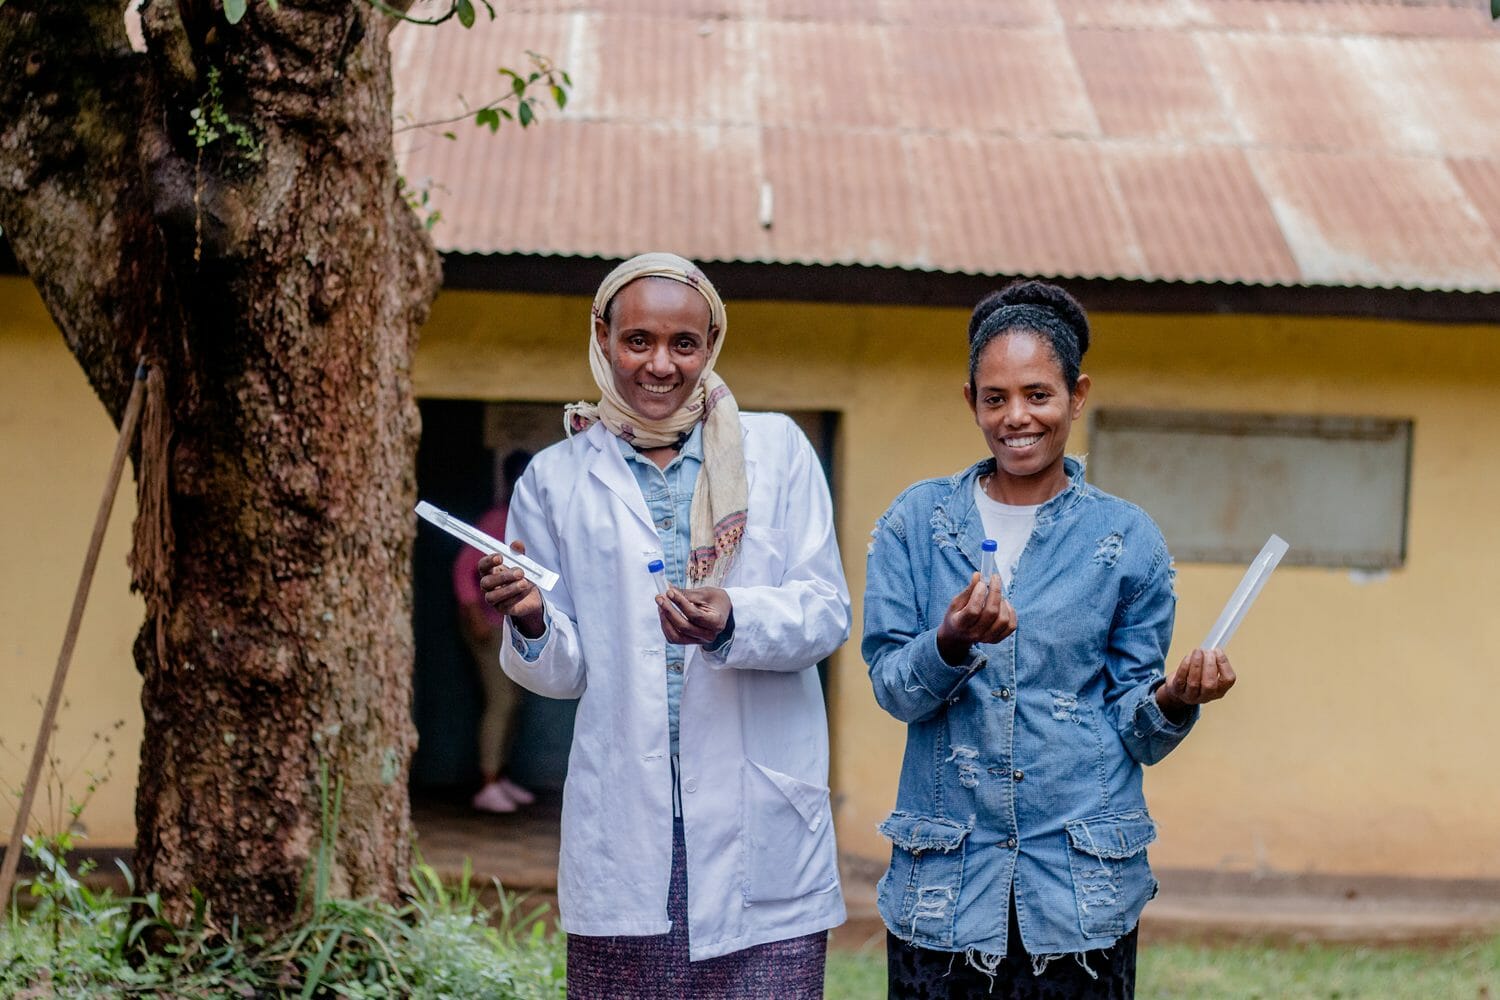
534 571
1245 594
658 571
987 550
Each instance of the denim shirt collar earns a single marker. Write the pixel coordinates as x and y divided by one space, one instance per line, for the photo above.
957 516
691 448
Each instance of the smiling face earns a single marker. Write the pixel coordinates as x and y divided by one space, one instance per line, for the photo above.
1020 400
658 340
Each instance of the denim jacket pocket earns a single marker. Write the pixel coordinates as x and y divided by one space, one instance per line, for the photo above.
790 837
1112 879
919 893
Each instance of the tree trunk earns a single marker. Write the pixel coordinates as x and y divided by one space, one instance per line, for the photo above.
276 280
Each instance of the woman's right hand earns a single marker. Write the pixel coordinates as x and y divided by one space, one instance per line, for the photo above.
510 593
978 614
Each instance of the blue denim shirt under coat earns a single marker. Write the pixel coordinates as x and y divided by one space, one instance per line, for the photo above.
1023 766
668 493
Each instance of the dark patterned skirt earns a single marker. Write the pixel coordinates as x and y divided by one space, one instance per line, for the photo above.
657 967
916 973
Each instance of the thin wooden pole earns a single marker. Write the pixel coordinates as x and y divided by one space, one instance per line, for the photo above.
80 597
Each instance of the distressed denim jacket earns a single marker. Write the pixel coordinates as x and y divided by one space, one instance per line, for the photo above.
1023 766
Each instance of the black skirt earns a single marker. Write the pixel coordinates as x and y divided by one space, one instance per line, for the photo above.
917 973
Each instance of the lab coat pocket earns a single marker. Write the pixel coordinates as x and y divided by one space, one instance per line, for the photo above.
919 893
762 558
1112 880
789 831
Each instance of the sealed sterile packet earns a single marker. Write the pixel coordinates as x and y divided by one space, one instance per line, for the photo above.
534 571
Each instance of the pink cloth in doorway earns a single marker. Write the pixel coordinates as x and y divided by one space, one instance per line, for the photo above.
466 566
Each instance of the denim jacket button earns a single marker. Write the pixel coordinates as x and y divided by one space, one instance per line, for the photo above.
1018 775
1011 843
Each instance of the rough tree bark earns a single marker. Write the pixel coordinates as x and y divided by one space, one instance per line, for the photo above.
278 286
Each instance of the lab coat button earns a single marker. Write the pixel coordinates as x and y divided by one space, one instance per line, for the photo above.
690 785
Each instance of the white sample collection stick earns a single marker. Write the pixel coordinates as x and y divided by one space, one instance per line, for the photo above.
467 533
1244 595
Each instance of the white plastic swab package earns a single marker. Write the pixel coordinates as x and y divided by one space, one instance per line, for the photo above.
467 533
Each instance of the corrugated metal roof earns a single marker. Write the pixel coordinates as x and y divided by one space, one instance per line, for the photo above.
1321 142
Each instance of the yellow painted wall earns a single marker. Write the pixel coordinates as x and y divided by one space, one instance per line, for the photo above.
1359 739
56 442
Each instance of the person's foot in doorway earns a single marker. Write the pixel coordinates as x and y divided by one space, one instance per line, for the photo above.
493 798
519 795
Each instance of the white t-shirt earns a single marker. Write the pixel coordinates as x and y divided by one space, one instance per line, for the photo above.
1008 525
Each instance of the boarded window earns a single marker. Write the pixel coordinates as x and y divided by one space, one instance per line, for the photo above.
1219 484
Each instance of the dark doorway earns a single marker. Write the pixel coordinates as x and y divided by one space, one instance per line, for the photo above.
463 443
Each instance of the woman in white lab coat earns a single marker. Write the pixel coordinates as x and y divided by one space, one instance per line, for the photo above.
698 855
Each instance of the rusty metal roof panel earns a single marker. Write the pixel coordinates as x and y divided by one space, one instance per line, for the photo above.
1199 215
1271 142
841 198
703 79
1008 206
1379 220
1445 91
1012 81
1348 17
1150 84
1127 13
1011 13
834 75
1481 181
1307 92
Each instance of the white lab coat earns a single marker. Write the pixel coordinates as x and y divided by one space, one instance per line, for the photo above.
753 737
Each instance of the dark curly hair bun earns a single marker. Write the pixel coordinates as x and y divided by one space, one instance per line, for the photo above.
1049 296
1034 307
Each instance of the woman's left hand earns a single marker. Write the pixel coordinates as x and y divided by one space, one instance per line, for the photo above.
693 617
1204 675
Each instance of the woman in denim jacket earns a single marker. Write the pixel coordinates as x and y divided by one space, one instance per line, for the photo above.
1031 698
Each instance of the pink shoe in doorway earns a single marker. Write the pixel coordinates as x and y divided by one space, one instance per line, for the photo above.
520 796
493 798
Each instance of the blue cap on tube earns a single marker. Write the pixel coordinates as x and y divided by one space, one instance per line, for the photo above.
655 566
989 545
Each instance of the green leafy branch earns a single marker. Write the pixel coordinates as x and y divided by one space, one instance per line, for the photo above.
542 77
461 9
525 92
234 11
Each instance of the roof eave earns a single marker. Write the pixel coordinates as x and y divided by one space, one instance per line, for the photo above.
557 274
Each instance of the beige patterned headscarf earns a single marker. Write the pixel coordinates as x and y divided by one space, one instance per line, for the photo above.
720 500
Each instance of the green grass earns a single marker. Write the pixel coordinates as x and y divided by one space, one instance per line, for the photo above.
1260 972
1320 972
856 975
